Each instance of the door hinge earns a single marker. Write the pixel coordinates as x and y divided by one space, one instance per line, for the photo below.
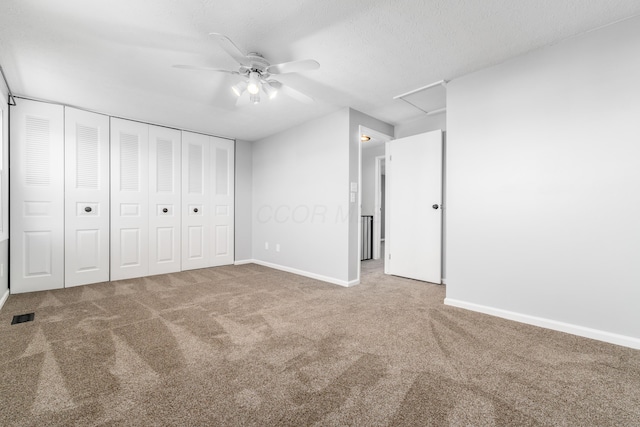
389 256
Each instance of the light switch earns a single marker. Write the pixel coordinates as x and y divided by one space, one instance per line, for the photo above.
353 197
354 186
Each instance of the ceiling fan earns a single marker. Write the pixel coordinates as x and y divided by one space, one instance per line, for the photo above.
256 72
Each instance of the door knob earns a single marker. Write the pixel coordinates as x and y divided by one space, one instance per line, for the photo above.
435 206
87 209
195 210
165 210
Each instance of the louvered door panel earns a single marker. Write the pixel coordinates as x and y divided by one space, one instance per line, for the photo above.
37 197
86 197
164 200
196 201
222 151
129 199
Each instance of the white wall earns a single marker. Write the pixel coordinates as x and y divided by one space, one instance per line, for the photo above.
544 187
421 124
369 177
4 197
301 198
243 201
357 119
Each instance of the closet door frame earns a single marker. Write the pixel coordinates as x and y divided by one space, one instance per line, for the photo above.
222 200
165 211
86 197
129 199
36 235
196 201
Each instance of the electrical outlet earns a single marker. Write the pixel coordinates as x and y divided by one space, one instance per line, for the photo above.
266 245
277 247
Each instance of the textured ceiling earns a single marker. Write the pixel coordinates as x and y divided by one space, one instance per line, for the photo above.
115 56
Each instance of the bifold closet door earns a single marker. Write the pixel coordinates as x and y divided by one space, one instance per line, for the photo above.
129 199
86 196
196 201
223 162
164 200
37 197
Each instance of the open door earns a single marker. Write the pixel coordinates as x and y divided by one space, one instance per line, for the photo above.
413 243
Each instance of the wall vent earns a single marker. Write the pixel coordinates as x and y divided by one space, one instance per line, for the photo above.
21 318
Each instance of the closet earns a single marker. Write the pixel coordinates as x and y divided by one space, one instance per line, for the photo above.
95 198
145 199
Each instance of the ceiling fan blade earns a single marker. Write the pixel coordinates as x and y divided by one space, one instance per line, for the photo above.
231 49
293 66
293 93
193 67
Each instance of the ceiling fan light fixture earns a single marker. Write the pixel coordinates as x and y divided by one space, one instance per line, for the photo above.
271 91
239 88
254 83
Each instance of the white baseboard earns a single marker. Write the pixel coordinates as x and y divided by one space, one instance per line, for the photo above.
3 298
443 281
304 273
555 325
243 262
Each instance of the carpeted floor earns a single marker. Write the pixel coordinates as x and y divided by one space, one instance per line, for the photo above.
247 345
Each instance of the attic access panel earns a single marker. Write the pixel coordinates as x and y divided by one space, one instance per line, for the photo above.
428 99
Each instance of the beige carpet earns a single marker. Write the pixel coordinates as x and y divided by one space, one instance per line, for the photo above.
247 345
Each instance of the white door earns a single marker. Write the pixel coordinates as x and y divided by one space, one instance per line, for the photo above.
37 197
86 197
196 201
164 200
413 207
223 163
129 199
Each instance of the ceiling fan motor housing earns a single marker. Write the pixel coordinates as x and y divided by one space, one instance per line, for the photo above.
258 63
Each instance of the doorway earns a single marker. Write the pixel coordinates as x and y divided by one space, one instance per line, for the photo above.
372 180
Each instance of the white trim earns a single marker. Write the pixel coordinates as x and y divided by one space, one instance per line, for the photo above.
377 206
243 262
438 111
443 281
555 325
304 273
113 116
361 131
411 92
373 134
4 170
4 297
